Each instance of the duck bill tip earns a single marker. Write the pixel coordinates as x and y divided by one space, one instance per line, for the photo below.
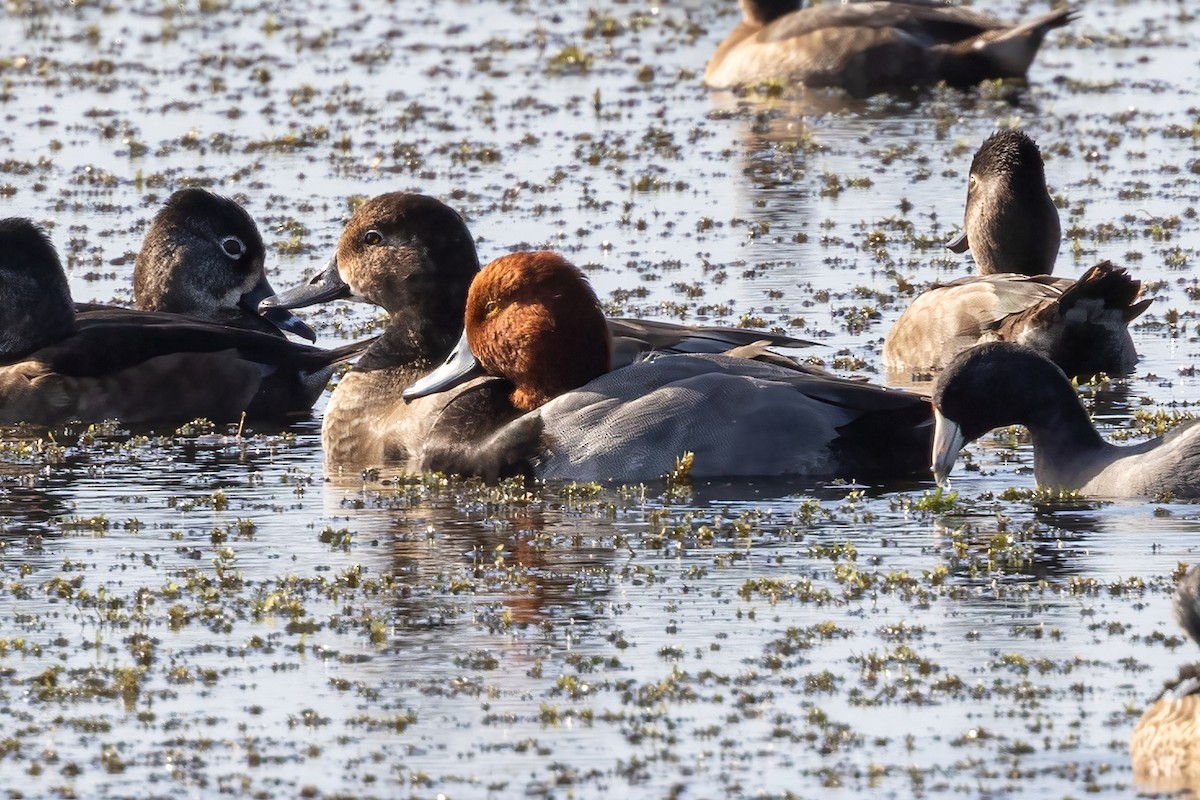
959 243
323 287
287 321
458 366
947 442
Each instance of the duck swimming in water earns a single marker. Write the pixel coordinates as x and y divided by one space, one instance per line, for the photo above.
533 321
871 47
413 256
1011 227
133 366
1165 744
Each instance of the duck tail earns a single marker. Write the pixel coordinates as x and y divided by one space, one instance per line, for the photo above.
1001 52
1041 25
1084 330
347 352
1103 289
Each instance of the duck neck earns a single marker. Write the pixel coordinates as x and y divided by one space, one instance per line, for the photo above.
404 345
760 13
1065 443
46 320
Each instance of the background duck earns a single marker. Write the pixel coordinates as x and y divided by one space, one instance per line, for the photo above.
1080 325
533 320
203 256
999 383
1012 228
413 256
870 47
127 366
1010 223
1165 744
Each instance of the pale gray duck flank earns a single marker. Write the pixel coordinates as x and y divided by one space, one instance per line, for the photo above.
527 313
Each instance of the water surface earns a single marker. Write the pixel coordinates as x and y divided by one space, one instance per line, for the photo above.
201 614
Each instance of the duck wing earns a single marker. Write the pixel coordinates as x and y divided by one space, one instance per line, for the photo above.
951 317
928 23
739 418
160 371
636 338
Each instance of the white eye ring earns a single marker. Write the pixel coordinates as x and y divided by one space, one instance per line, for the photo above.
373 237
233 247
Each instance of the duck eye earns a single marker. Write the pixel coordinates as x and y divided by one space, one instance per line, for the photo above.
971 182
491 308
233 246
373 237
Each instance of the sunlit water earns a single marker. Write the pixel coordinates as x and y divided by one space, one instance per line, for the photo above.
194 615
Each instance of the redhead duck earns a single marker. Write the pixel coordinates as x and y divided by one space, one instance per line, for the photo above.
533 320
1012 228
127 365
1165 744
1000 383
203 257
413 256
870 47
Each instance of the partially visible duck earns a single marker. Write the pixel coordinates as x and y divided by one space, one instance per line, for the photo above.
999 383
1011 226
1165 744
1080 325
127 365
1010 223
870 47
533 320
203 256
413 256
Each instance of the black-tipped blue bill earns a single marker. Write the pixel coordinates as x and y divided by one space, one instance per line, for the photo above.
326 285
458 366
279 317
